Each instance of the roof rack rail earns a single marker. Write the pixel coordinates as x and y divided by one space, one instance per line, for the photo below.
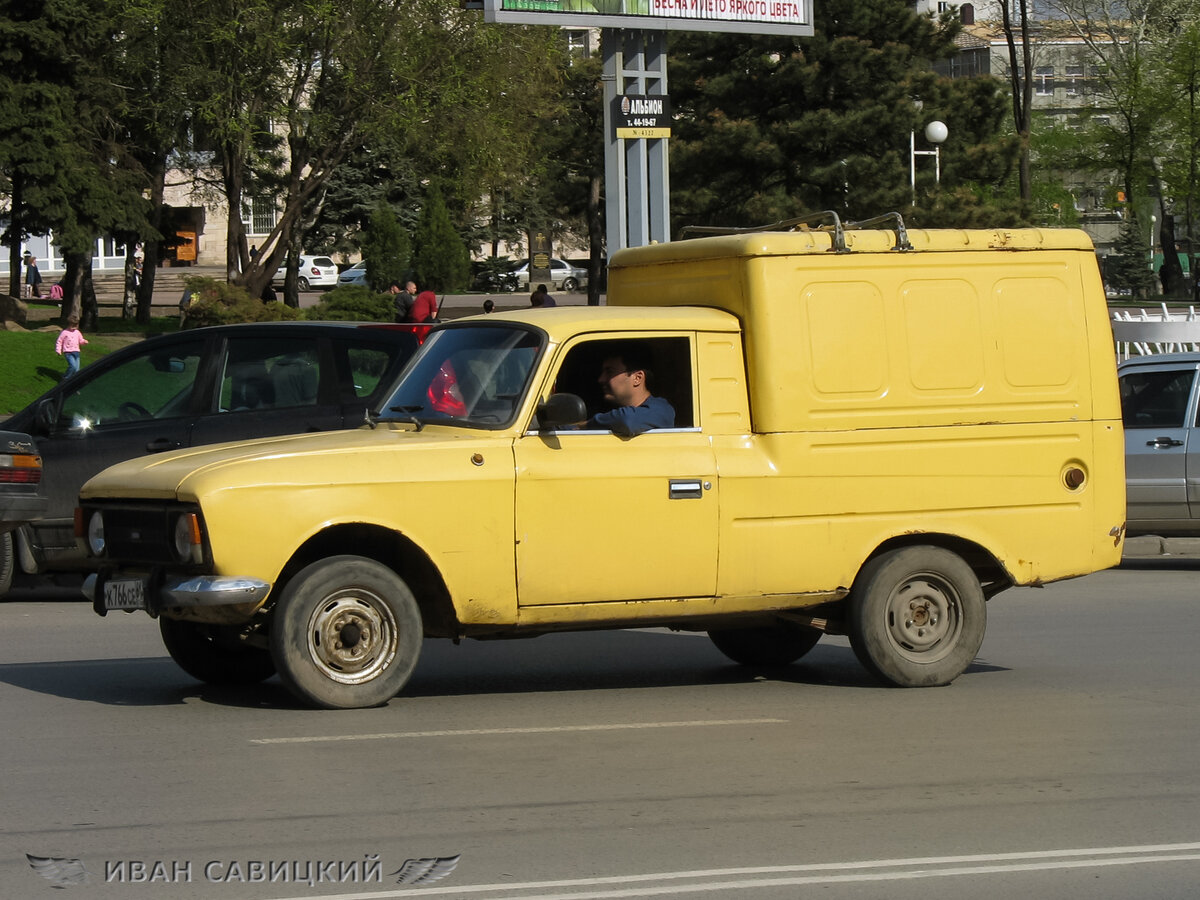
902 242
826 219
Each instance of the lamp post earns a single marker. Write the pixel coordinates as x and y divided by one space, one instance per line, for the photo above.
935 132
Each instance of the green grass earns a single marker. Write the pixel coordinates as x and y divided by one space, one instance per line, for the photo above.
29 366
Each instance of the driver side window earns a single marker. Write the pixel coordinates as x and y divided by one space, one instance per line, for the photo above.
156 384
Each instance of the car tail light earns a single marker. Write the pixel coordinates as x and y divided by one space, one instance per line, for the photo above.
20 468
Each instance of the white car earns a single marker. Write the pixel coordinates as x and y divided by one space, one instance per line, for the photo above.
563 275
314 272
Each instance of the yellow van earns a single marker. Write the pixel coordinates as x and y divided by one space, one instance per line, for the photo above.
870 432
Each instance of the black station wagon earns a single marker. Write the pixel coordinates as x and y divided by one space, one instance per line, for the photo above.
225 383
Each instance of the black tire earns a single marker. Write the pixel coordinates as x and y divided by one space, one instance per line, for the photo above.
302 283
214 654
346 633
767 645
570 284
8 561
917 616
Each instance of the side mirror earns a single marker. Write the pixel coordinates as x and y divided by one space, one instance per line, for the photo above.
45 416
560 410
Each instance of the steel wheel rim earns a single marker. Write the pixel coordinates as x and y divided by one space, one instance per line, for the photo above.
353 636
924 618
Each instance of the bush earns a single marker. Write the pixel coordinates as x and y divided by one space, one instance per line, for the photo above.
353 304
220 303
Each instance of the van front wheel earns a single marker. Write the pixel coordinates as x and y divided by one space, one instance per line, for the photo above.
346 633
916 616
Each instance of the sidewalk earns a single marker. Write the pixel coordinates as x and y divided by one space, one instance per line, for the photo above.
168 287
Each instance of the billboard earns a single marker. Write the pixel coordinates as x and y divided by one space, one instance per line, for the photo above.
746 16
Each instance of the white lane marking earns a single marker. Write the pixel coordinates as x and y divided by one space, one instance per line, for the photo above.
902 869
471 732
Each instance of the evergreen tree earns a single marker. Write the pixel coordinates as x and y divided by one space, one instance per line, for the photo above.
771 127
386 248
440 256
1128 266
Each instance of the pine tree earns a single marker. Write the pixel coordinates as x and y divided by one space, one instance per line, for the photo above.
768 128
386 248
440 256
1128 266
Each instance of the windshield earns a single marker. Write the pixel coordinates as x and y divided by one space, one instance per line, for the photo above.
473 375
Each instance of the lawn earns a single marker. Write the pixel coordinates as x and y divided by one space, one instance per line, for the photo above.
29 366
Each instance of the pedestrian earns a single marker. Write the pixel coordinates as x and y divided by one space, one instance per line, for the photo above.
33 278
541 297
403 299
68 344
489 305
424 308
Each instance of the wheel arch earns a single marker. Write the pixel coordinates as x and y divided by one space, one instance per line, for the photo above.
391 549
991 572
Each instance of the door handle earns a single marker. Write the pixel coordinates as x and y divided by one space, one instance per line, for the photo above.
161 444
687 488
1160 443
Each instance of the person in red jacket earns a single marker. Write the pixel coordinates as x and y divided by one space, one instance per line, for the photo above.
424 308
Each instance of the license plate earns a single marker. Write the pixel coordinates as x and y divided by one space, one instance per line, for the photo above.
125 594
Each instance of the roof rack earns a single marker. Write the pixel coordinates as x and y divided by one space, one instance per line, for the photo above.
827 220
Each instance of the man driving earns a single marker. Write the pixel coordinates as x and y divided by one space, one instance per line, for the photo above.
626 376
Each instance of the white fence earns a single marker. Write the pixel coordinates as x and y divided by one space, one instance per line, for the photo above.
1141 333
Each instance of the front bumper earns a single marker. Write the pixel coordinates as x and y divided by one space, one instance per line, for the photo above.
157 591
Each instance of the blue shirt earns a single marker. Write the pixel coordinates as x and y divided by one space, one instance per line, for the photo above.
655 412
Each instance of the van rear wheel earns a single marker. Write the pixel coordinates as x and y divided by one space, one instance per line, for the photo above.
767 645
917 616
346 633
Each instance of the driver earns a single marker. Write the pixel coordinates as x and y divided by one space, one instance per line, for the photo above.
626 376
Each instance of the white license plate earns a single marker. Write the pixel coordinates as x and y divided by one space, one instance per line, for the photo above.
125 594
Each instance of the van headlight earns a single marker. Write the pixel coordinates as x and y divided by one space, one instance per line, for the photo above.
95 534
187 541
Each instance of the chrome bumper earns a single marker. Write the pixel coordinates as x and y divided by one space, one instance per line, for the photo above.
186 590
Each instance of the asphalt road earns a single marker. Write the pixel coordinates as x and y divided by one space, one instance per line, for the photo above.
1064 764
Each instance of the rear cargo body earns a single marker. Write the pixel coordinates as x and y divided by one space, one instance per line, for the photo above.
946 389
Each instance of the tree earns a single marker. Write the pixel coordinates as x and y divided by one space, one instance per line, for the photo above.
767 128
1128 267
62 150
386 249
440 258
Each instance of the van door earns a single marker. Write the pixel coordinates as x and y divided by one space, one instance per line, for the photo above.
601 517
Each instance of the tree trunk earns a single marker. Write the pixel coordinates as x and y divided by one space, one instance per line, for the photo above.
15 269
150 252
129 296
595 227
1171 272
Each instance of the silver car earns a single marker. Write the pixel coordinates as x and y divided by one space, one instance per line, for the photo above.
1159 406
563 276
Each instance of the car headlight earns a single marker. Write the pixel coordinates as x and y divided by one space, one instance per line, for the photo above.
95 534
187 539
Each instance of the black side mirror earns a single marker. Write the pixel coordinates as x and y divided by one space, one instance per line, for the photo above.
560 410
45 416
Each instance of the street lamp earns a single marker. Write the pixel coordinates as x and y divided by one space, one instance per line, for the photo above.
935 132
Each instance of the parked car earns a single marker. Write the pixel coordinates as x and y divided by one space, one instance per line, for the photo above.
355 275
1160 403
21 498
563 276
313 272
223 383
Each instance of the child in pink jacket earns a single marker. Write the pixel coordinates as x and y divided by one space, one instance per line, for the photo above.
68 344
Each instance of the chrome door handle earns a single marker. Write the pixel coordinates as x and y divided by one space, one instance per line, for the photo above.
687 488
